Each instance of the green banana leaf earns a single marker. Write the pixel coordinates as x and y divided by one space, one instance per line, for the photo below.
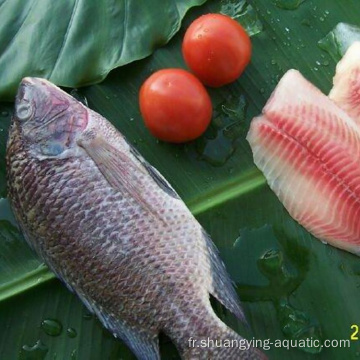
292 286
76 43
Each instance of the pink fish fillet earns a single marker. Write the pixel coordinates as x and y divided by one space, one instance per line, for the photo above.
346 90
309 151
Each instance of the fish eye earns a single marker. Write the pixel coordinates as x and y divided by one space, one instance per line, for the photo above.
24 111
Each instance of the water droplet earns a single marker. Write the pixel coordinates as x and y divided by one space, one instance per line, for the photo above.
306 22
88 315
271 262
73 355
51 327
217 151
288 4
75 93
219 141
299 326
283 263
244 13
131 119
71 333
4 113
33 352
338 40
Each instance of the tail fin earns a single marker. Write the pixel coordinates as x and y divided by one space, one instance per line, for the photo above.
207 337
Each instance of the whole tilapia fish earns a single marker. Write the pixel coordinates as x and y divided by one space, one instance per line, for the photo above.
113 229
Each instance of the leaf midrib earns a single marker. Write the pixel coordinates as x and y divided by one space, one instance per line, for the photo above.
25 282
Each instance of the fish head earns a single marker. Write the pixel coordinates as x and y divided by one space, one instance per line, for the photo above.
49 119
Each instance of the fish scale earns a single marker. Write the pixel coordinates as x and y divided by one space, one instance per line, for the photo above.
113 229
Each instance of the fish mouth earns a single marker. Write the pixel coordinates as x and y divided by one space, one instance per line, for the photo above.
28 81
21 93
26 84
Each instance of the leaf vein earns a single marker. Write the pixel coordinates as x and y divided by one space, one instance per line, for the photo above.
20 27
1 5
68 30
126 11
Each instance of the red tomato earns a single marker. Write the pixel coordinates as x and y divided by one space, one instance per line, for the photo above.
217 49
175 105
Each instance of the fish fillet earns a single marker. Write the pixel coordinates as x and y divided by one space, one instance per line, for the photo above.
346 90
309 152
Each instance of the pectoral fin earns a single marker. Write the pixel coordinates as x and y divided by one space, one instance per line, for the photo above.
121 172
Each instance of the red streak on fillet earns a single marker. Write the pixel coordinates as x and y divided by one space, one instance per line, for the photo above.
309 151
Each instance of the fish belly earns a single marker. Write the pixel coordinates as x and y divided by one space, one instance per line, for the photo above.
309 152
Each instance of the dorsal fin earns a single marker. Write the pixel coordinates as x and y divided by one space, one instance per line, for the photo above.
154 173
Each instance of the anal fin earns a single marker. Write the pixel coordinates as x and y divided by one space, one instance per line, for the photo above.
143 344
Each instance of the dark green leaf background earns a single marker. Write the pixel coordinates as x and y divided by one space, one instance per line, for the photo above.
76 43
291 284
